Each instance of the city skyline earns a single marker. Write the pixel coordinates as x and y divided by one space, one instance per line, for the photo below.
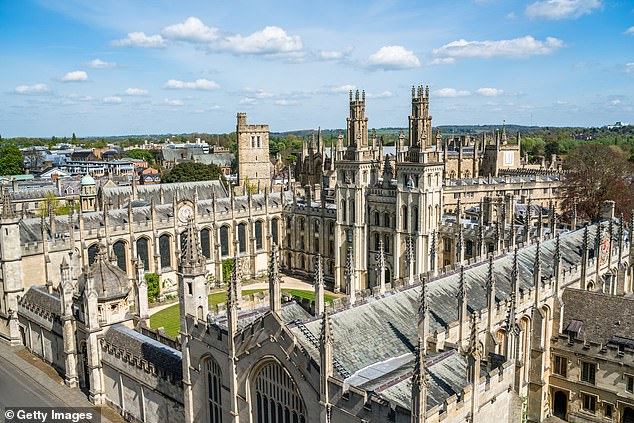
117 68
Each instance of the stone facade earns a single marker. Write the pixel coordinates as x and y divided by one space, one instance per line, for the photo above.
253 153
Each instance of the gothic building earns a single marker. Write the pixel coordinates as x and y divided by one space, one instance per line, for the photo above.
430 328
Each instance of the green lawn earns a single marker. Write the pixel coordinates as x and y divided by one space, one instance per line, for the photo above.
169 317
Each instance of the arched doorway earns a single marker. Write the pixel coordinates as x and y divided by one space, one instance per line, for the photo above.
560 405
628 415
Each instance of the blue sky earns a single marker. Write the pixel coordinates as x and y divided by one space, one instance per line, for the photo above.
157 66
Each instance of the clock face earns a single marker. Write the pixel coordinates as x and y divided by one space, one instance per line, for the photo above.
185 212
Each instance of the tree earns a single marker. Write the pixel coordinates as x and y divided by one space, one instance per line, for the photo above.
139 154
11 160
50 201
73 140
191 172
598 173
153 290
227 268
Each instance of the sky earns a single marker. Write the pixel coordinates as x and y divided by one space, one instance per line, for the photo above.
120 67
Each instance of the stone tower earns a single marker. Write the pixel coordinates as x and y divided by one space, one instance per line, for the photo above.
11 268
88 193
192 278
253 153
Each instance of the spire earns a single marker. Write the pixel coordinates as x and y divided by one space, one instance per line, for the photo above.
7 208
423 313
192 259
475 348
380 267
515 281
275 293
325 360
232 299
490 283
319 286
419 384
461 286
537 266
433 254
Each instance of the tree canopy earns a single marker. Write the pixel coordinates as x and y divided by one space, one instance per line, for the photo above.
598 173
11 160
140 154
192 172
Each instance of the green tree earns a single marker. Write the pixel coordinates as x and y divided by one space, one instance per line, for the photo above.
50 201
192 172
11 160
153 290
227 268
139 154
73 140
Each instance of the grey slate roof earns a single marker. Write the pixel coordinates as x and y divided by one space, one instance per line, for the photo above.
154 352
603 316
39 297
119 196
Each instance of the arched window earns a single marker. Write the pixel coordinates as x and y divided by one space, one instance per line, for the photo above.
353 216
274 231
404 217
142 252
343 211
224 241
277 399
386 243
415 218
258 235
205 244
119 250
214 391
165 251
377 239
92 252
242 237
386 220
377 218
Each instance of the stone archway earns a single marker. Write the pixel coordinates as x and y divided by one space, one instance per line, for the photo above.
560 405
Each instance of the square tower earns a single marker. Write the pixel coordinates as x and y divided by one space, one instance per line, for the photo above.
253 153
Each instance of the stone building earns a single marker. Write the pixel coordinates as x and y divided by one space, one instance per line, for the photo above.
253 153
413 340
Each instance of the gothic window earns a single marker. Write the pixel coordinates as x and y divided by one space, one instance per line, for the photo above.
331 247
352 212
404 217
92 252
377 218
258 235
301 224
274 230
343 211
301 262
214 391
142 252
301 242
165 250
259 142
415 218
377 239
386 220
429 180
316 245
224 241
119 250
469 248
242 237
316 226
205 242
277 398
386 243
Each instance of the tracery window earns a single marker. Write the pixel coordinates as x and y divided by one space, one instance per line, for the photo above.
92 252
242 237
214 391
142 252
165 250
274 231
277 398
119 250
205 242
258 235
224 241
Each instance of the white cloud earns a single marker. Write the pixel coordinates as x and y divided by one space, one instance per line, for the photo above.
75 76
451 93
443 61
615 102
100 64
32 89
112 99
393 58
383 94
284 102
629 67
175 102
248 101
192 30
259 93
490 92
139 39
561 9
517 47
630 30
343 88
136 91
271 40
334 54
199 84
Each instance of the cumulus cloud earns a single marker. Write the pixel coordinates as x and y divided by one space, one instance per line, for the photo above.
32 89
100 64
192 30
630 30
383 94
561 9
284 102
490 92
113 99
516 48
393 58
271 40
75 76
174 102
451 93
139 39
199 84
136 91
